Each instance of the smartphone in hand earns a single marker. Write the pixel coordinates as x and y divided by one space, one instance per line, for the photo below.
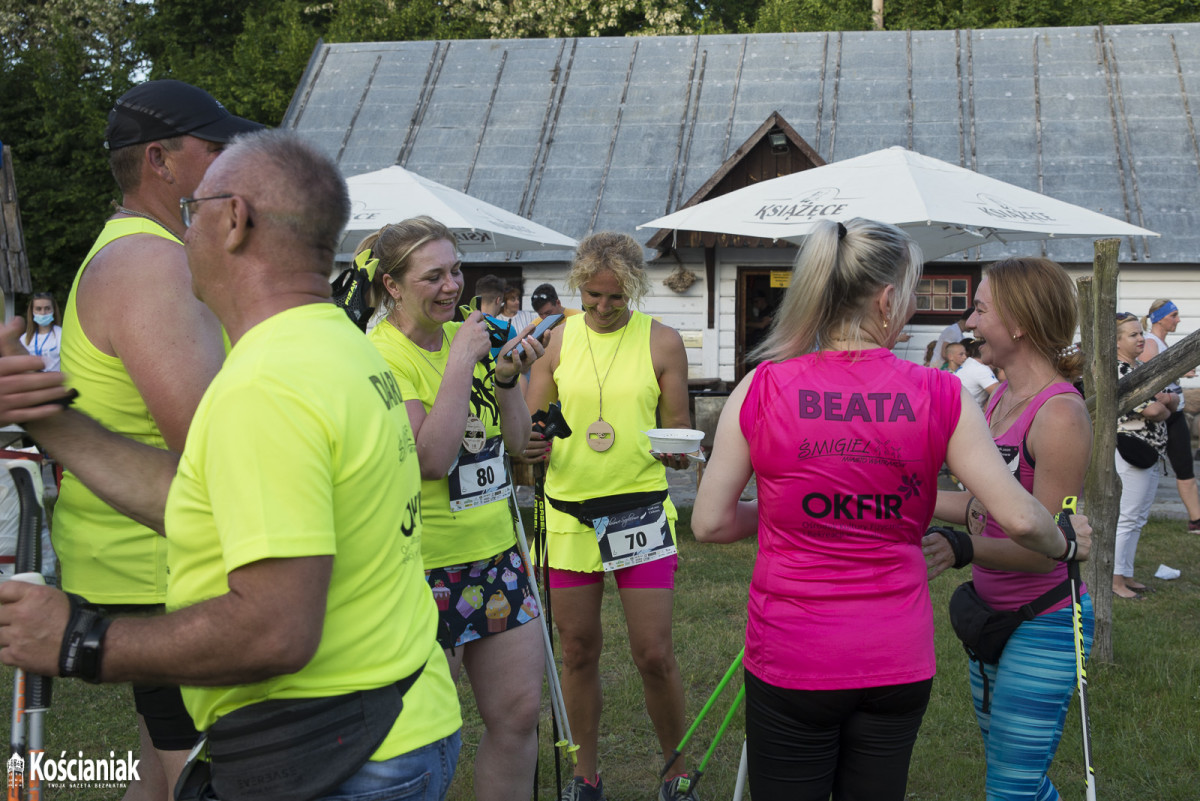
539 331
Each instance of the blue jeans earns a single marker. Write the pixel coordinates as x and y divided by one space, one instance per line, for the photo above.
420 775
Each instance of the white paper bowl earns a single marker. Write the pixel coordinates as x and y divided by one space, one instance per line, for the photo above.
675 440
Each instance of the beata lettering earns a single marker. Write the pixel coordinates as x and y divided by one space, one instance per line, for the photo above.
871 407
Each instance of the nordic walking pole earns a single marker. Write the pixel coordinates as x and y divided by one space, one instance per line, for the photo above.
35 691
733 708
1064 522
556 696
737 661
743 771
17 731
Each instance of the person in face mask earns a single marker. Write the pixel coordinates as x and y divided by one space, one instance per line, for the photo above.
43 329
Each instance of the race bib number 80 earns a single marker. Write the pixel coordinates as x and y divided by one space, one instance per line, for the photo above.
634 537
479 478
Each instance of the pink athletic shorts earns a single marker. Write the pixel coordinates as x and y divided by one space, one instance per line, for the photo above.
656 575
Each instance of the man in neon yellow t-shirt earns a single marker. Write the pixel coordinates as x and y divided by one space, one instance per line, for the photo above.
300 450
141 349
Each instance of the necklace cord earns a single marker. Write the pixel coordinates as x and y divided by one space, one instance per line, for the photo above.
600 384
1020 403
144 216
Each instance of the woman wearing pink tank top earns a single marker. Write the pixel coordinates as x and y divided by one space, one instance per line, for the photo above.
1025 312
846 441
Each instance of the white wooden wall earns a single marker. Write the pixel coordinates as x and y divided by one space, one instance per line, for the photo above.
711 351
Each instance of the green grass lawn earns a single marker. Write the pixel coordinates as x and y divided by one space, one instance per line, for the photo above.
1144 706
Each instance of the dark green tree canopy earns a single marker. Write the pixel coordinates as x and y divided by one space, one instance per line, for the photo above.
63 62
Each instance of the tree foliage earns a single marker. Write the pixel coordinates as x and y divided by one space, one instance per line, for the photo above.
509 19
63 62
776 16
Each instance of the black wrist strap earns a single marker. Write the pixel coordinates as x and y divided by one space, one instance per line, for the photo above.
960 544
507 384
1064 525
1069 554
83 641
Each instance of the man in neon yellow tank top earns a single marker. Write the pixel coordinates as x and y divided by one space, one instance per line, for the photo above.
300 450
141 350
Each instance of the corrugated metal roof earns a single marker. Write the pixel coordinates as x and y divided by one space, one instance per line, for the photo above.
607 133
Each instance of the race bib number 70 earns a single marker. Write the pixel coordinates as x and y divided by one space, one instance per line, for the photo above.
634 537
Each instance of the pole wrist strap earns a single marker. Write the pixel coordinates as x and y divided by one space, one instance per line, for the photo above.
83 641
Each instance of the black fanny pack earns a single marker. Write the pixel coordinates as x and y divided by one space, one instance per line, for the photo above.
985 631
1136 450
292 749
587 511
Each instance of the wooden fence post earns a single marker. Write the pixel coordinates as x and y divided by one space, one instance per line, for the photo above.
1102 489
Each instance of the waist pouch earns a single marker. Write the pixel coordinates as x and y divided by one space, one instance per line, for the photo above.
294 749
1136 450
985 631
586 511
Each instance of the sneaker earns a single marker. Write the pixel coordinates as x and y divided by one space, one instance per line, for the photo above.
578 789
678 789
1194 527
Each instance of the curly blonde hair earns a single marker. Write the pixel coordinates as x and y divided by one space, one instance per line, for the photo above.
617 253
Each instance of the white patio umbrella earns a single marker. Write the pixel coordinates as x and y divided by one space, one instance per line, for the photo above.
945 208
394 194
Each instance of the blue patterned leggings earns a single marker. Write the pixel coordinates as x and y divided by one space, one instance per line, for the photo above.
1030 691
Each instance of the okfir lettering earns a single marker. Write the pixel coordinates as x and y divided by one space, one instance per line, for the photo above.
841 506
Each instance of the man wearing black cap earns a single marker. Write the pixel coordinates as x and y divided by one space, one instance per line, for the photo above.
141 349
544 301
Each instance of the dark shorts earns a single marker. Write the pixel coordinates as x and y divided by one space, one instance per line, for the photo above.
808 744
481 598
1179 447
160 705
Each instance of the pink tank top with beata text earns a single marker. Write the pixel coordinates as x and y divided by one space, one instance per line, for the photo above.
846 448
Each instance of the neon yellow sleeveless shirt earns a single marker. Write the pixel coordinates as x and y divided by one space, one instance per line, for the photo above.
102 554
451 538
578 473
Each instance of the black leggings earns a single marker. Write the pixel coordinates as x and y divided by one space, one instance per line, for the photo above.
1179 446
804 745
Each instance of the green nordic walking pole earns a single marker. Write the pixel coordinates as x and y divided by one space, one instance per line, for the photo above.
1064 523
704 712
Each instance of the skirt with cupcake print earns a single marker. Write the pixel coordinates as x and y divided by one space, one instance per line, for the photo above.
481 598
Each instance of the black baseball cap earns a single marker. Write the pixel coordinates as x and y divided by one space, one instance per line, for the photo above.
165 109
543 294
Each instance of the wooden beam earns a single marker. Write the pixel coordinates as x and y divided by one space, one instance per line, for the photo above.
1150 378
710 280
1102 487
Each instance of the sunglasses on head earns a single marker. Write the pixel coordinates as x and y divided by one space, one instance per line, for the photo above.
1124 317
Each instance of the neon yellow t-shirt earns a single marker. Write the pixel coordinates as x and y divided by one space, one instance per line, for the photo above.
301 447
102 554
578 473
451 538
